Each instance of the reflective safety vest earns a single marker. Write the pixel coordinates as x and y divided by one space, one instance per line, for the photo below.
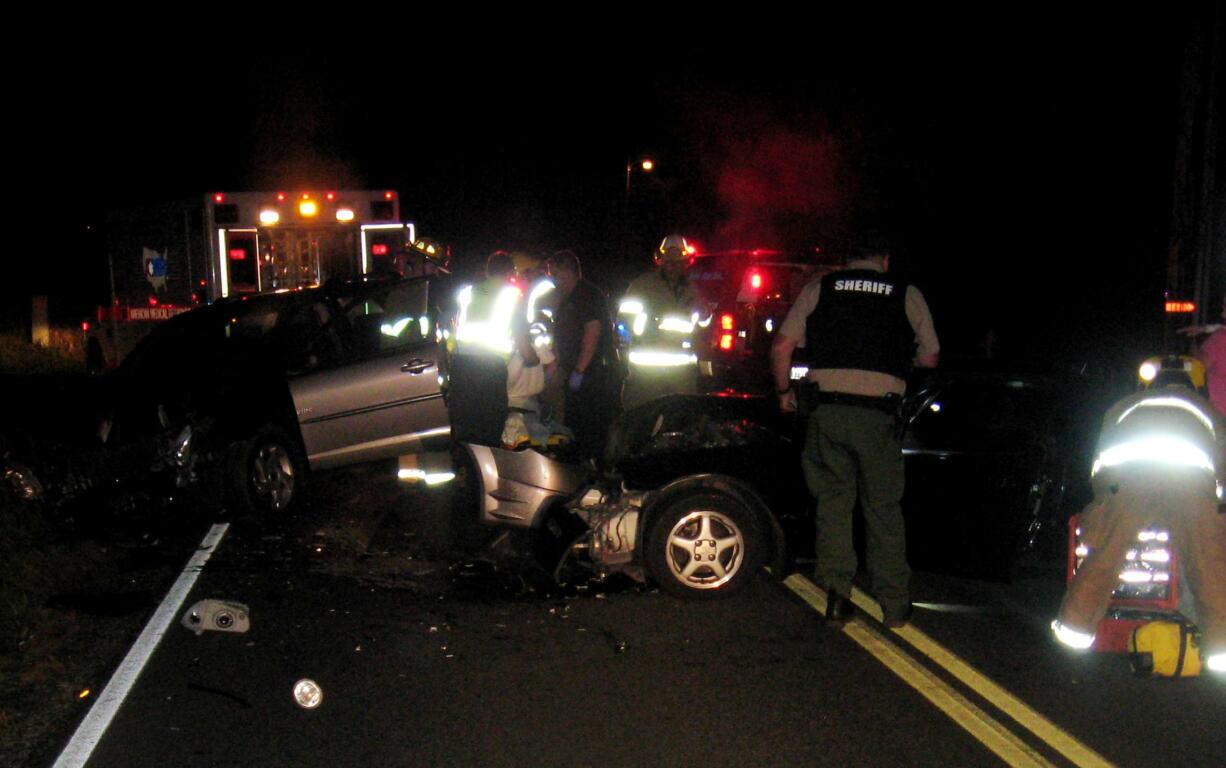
1165 428
659 334
486 313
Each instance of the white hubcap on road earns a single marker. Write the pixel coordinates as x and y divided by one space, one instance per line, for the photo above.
704 550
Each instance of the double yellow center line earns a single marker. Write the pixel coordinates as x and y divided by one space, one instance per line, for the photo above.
972 718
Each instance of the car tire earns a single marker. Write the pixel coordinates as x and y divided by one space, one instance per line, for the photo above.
266 476
703 546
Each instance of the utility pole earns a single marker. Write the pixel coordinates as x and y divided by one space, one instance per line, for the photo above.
1196 269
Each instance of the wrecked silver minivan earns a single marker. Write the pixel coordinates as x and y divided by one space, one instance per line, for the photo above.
695 494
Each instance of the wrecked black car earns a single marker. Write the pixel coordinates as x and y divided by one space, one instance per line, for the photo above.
700 491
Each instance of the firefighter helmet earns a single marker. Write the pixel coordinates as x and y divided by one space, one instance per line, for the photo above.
673 248
1172 371
431 250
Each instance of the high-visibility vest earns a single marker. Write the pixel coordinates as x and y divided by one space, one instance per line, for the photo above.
659 336
486 313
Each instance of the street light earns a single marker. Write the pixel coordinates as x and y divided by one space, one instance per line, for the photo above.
646 164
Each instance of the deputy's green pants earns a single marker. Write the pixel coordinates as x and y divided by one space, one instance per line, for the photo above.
853 451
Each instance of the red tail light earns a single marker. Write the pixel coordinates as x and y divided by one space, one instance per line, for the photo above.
725 341
755 280
153 301
726 322
85 326
378 249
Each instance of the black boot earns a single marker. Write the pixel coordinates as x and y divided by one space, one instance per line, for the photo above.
839 609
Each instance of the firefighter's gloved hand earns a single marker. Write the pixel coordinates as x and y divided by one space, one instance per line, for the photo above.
575 381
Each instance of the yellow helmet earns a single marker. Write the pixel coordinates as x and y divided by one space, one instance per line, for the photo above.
1172 370
673 248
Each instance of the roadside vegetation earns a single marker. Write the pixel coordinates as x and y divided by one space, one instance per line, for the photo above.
64 355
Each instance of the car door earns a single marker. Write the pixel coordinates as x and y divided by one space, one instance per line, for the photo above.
382 397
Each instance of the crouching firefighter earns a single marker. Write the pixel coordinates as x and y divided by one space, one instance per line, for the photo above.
490 327
1158 464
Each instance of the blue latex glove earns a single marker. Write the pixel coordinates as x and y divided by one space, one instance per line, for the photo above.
575 381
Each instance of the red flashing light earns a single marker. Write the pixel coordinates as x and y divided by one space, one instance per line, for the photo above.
1180 307
153 301
85 326
726 322
280 197
306 195
725 341
331 195
238 254
378 249
219 198
755 280
388 195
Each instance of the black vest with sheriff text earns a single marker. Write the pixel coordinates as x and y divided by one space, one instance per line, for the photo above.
860 322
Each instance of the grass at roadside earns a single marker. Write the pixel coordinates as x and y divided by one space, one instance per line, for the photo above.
65 353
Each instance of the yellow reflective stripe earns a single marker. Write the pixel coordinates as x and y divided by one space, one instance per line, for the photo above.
659 359
1170 451
675 324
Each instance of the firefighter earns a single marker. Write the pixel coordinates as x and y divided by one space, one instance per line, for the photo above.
1159 463
860 330
490 327
659 313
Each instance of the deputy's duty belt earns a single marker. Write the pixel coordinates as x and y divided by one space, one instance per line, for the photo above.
887 404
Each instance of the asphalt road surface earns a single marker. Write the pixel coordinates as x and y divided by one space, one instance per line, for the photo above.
426 656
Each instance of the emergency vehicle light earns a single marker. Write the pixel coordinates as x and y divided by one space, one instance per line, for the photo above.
1148 371
269 217
726 321
344 214
237 254
755 280
725 341
330 195
1180 307
308 208
378 249
219 198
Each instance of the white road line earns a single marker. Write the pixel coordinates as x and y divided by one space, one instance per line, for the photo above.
89 733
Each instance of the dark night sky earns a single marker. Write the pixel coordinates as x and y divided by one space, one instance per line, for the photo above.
1024 161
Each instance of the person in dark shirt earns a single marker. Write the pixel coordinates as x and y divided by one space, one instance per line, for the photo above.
583 341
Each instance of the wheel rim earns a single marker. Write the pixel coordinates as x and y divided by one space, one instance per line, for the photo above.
272 476
705 550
